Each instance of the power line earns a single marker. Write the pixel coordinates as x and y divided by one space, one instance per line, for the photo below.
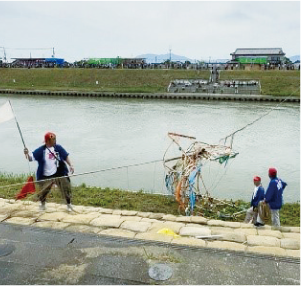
29 48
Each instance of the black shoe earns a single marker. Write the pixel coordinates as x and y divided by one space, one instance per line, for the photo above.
258 224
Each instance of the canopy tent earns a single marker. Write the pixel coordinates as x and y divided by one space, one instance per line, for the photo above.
57 61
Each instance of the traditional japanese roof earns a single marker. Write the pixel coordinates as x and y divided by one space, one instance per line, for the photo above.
259 51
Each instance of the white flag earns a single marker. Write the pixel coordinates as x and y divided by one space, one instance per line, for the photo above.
6 112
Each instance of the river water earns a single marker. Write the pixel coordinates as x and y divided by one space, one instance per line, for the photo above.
102 133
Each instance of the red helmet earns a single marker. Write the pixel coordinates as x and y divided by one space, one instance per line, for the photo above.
272 172
49 135
257 179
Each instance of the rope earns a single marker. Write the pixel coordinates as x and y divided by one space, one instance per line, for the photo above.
86 173
127 175
213 186
154 176
207 193
260 117
165 155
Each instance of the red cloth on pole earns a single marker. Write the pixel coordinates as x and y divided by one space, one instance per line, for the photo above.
29 188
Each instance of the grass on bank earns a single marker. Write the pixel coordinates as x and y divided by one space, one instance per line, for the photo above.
139 81
139 201
273 82
278 83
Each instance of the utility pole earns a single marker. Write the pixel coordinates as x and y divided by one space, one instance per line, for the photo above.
4 54
170 57
53 54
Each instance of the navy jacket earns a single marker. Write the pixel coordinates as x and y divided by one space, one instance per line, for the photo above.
39 156
259 197
274 193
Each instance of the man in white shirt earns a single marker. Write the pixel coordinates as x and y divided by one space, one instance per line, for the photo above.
51 158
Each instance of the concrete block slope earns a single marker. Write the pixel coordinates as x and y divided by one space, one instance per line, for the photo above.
176 230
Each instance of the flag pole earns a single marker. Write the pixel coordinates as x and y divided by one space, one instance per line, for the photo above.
17 125
29 186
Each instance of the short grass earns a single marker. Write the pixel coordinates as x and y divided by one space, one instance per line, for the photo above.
140 81
274 82
140 201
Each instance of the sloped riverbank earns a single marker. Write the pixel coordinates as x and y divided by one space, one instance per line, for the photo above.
273 82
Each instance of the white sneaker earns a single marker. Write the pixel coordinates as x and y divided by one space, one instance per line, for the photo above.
42 207
70 208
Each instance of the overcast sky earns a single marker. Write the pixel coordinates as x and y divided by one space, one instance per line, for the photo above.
195 29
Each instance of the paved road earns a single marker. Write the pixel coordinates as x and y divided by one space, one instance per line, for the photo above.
31 255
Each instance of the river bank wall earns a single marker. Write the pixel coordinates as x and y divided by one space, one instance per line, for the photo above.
162 96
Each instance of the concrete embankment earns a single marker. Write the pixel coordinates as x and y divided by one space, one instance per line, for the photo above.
164 228
162 96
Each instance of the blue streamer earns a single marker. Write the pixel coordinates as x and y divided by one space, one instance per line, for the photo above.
191 179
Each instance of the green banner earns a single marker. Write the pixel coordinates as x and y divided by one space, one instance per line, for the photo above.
251 60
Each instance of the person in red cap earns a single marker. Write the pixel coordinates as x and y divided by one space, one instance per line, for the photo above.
52 169
257 196
274 197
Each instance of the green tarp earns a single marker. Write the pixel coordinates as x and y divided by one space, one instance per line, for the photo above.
104 61
252 60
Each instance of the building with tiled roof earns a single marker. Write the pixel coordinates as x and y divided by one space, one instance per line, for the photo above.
259 55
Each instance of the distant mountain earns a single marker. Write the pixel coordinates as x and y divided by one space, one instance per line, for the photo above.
295 58
154 58
221 61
